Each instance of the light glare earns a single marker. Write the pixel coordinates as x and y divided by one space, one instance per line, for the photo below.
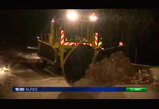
3 70
93 18
120 43
72 15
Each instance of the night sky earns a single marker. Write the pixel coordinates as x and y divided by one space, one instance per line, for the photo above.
20 27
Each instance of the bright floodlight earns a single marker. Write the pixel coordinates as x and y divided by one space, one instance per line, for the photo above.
93 17
72 15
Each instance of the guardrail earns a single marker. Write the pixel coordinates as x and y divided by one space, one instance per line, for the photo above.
141 65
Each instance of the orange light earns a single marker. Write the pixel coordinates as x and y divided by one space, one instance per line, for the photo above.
121 44
93 17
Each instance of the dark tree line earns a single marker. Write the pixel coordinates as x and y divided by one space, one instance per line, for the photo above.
20 27
132 26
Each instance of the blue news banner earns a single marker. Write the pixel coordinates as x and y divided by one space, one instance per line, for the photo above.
69 89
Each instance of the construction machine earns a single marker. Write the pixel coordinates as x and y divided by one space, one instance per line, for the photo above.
71 44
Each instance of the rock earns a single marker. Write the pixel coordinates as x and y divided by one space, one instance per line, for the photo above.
143 77
155 73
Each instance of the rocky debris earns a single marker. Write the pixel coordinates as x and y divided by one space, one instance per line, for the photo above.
116 69
155 74
143 76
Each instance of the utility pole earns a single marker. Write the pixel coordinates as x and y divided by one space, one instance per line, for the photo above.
135 55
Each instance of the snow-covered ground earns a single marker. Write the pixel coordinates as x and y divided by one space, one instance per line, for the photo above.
20 72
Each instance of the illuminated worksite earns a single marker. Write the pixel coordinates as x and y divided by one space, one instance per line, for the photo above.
90 53
67 34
